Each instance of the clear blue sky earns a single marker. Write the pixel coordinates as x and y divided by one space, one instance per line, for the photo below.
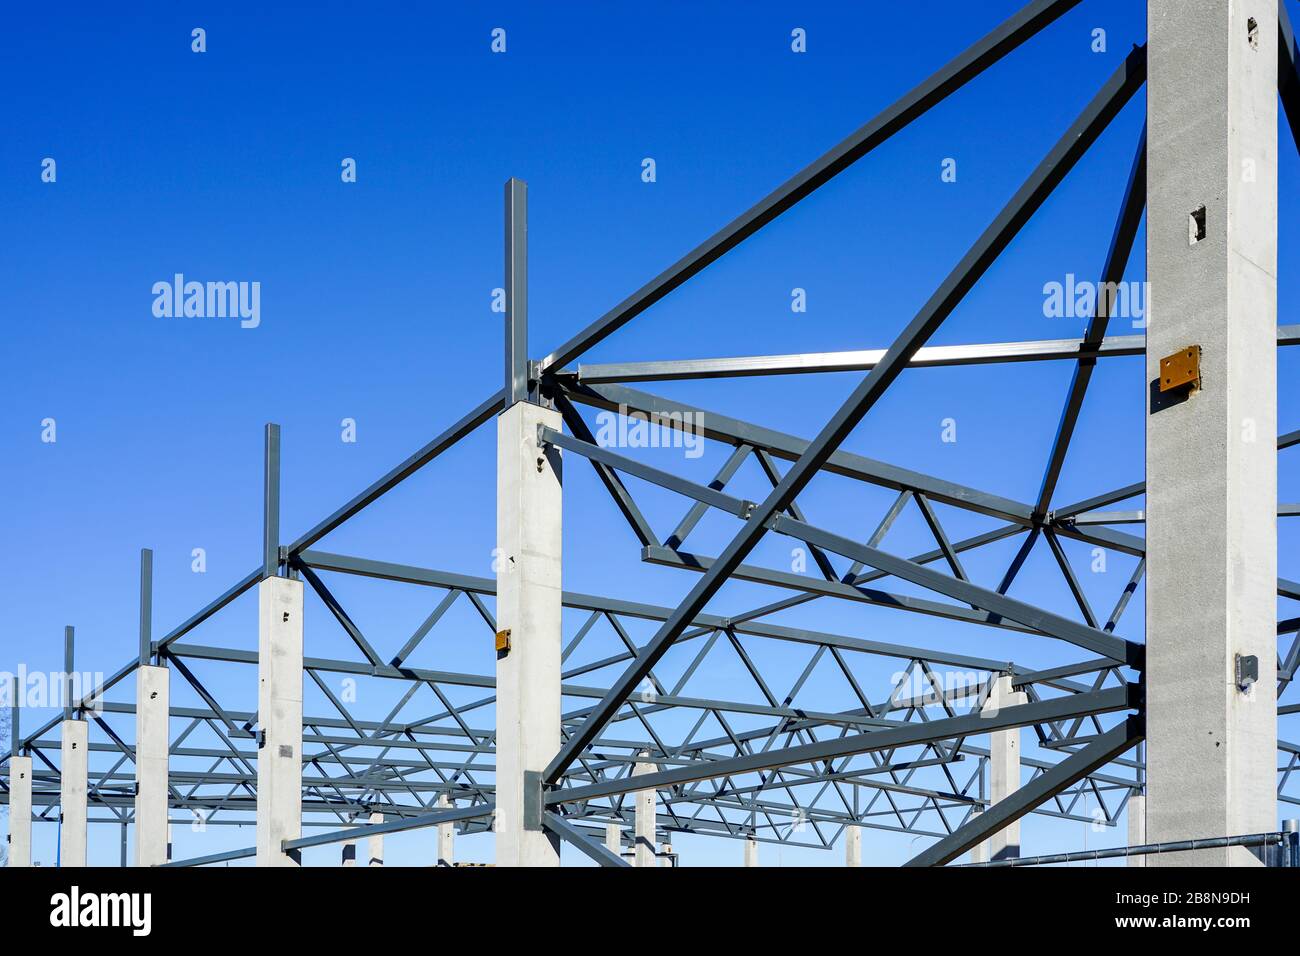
376 303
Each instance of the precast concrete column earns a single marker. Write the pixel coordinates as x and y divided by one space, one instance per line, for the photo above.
1211 425
1137 827
20 786
279 717
852 845
645 819
529 500
1004 766
446 836
979 853
152 709
73 773
20 811
375 844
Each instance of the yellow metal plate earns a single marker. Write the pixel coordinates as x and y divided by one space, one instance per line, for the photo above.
1182 369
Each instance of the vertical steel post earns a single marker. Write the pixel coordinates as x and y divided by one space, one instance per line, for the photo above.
271 503
68 639
1291 843
13 720
516 292
146 606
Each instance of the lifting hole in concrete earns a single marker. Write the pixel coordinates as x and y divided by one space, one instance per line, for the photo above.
1196 226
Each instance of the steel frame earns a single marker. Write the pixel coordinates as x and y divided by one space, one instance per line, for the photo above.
801 774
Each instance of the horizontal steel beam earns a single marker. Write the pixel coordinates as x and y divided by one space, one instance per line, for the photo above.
863 360
651 612
951 77
1057 708
734 431
397 826
992 602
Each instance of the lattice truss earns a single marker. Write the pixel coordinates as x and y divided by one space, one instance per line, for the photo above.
754 724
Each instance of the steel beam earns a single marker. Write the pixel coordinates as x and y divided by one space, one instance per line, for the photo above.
580 841
954 75
1072 769
1073 705
516 337
1068 150
271 502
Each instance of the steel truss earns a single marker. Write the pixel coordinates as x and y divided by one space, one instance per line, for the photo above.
794 773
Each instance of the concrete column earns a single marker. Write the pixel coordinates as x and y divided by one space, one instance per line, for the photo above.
446 836
73 771
1137 827
852 845
152 687
1211 506
1004 766
279 717
529 484
645 819
666 860
169 843
751 852
375 844
349 854
614 839
979 853
20 811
